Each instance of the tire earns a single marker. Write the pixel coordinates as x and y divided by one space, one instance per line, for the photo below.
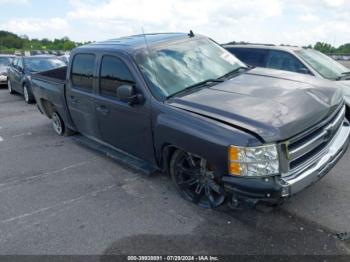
9 87
59 126
28 95
195 181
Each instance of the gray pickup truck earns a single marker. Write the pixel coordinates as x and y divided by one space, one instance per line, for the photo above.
181 104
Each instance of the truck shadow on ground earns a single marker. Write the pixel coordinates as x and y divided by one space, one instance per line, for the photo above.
236 232
226 231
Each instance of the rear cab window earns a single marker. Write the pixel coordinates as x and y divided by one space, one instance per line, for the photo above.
113 73
250 56
82 73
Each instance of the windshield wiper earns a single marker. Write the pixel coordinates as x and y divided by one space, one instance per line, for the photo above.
343 76
200 84
234 72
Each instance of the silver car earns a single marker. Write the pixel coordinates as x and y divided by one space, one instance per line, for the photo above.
295 59
5 61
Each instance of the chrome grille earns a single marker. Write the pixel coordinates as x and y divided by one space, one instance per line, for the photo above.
304 149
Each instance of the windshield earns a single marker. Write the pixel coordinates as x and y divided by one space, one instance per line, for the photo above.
5 61
174 67
324 65
42 64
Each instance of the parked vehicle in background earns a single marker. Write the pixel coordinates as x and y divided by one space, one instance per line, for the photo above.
5 61
182 104
295 59
64 58
21 70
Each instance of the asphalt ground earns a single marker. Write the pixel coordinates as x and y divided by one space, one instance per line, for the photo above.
58 197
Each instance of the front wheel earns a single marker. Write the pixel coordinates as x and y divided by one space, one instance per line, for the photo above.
195 180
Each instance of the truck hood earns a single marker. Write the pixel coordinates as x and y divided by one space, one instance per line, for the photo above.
272 104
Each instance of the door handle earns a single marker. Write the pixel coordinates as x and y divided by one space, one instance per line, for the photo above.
102 109
73 100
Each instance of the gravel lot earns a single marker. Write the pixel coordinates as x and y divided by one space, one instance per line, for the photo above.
57 197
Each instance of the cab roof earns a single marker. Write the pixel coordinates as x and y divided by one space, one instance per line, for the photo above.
130 43
265 46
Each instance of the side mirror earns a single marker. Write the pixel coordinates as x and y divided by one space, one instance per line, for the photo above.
128 94
303 71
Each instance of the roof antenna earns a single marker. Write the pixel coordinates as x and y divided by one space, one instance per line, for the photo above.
191 34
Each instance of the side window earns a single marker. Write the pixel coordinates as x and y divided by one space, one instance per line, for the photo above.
250 56
82 74
113 73
284 61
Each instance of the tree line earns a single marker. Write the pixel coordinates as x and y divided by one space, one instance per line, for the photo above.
12 42
329 49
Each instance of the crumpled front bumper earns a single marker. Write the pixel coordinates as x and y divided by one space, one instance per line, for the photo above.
347 101
274 188
334 151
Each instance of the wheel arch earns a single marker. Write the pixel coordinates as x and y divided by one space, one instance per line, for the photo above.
167 152
48 107
26 82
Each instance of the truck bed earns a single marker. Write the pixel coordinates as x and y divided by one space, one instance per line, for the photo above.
58 74
49 91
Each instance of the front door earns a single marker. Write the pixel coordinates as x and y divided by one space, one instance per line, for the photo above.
124 126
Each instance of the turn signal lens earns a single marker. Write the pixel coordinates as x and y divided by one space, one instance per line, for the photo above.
234 153
235 168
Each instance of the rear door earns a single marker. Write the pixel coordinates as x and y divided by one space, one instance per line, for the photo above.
80 93
126 127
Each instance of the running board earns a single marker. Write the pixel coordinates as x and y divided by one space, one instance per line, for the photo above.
118 155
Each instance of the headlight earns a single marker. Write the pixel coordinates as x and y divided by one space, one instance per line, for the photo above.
253 161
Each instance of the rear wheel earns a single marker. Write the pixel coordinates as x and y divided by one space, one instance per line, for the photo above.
59 126
28 96
195 180
9 87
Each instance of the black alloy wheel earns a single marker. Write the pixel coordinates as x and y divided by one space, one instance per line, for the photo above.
195 180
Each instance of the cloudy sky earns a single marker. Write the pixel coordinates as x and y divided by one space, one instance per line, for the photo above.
297 22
